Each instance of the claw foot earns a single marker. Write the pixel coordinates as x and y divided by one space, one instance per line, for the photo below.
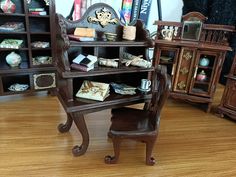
151 161
110 160
77 150
63 128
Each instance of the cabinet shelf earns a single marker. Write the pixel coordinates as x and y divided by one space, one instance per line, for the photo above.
12 14
205 67
201 82
25 69
38 16
16 33
36 49
11 49
110 43
40 33
98 71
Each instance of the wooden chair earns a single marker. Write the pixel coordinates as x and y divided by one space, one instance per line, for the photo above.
141 125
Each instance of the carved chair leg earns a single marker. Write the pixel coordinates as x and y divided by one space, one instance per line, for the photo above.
116 145
149 147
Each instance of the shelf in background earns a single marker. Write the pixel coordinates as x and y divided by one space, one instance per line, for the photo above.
11 49
109 43
12 14
39 16
12 32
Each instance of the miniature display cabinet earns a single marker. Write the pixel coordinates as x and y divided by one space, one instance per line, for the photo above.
228 102
194 53
26 47
102 25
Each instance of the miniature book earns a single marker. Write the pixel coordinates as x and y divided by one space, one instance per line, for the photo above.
81 67
93 90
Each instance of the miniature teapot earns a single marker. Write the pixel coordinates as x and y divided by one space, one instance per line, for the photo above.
13 59
202 76
204 61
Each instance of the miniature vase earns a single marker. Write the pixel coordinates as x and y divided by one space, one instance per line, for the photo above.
201 76
13 59
204 61
7 6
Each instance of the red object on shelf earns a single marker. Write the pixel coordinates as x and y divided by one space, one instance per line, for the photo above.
8 6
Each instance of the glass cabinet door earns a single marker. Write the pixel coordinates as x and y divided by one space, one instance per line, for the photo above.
168 56
204 79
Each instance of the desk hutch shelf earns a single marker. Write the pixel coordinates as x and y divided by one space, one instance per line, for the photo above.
70 80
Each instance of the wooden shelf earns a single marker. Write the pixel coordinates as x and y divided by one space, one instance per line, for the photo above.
12 14
38 16
99 71
110 43
86 105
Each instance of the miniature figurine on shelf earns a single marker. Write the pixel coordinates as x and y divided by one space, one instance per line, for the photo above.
202 76
108 62
204 61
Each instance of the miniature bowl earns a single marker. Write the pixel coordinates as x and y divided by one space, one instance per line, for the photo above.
111 36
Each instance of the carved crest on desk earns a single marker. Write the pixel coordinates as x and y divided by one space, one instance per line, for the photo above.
103 17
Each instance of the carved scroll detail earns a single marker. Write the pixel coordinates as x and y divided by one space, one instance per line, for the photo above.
103 17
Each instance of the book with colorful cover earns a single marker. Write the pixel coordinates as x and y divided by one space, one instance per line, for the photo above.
93 90
77 9
145 10
126 10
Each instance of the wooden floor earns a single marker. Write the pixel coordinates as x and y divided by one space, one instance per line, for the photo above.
191 143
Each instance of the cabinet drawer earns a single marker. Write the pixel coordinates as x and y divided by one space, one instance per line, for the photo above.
44 81
230 98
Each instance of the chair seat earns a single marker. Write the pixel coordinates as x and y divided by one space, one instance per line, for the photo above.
130 122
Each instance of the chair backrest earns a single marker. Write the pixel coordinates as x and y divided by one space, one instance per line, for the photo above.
161 88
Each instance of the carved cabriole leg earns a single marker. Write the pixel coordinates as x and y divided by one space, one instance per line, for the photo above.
149 147
81 125
66 127
116 145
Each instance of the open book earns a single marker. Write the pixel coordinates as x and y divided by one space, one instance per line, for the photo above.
93 90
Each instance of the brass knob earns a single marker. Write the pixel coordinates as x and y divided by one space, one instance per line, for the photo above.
184 70
181 85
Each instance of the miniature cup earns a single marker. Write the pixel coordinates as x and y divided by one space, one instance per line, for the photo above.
167 34
129 33
145 84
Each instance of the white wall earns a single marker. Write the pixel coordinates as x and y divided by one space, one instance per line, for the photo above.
171 9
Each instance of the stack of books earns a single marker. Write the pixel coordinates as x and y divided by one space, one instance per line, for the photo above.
37 11
84 63
12 27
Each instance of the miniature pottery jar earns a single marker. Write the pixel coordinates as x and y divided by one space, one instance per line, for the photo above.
13 59
7 6
129 33
204 61
201 76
